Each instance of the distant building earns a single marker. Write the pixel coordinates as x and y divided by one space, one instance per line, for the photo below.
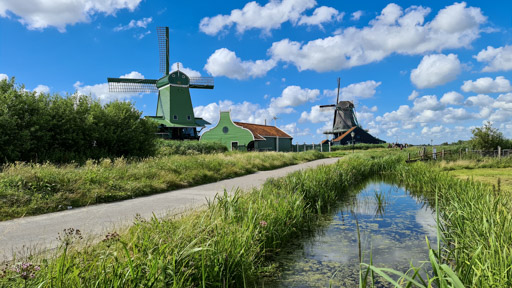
360 136
247 136
345 124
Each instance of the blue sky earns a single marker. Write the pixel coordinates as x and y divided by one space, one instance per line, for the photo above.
417 70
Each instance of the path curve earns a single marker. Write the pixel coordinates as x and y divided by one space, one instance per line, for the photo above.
36 233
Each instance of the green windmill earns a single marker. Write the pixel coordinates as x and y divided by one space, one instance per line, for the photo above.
174 112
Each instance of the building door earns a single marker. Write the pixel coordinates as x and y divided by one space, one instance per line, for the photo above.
234 146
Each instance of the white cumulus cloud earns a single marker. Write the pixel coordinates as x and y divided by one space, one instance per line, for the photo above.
452 98
316 115
40 14
487 85
321 15
497 59
244 112
481 100
393 31
427 102
414 94
295 131
435 70
295 96
42 89
360 90
254 16
188 71
142 23
3 77
100 91
356 15
224 62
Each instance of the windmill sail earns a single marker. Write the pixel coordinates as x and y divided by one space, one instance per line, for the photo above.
201 82
132 85
163 48
344 115
175 113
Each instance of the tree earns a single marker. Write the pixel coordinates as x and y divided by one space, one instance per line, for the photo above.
487 137
39 127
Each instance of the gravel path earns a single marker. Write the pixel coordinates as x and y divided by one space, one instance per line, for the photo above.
37 233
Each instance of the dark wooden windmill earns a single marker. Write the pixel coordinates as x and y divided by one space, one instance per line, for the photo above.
344 115
174 112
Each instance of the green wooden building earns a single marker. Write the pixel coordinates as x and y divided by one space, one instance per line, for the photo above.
247 136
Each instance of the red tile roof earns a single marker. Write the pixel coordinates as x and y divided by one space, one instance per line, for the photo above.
344 134
260 131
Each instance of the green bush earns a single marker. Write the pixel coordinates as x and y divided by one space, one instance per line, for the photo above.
38 127
488 138
173 147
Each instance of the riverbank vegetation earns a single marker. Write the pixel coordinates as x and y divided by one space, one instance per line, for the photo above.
31 189
475 224
232 242
228 244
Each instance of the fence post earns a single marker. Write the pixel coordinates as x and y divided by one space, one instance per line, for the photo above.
499 152
442 154
329 146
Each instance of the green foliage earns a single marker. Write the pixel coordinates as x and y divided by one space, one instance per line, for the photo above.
28 189
488 138
38 127
229 244
174 147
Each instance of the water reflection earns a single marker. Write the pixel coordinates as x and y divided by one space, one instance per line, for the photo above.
393 227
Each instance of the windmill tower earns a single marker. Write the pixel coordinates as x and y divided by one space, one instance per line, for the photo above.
174 112
344 116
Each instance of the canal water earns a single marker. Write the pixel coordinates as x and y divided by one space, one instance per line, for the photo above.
393 226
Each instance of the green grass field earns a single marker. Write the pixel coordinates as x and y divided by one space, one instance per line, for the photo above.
487 175
31 189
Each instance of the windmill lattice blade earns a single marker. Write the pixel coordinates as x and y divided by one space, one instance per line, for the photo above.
162 48
327 106
201 82
132 85
338 94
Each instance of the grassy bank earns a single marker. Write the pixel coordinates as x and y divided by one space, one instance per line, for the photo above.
475 225
232 241
31 189
228 244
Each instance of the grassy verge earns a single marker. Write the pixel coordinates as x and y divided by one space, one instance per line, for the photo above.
500 178
31 189
228 244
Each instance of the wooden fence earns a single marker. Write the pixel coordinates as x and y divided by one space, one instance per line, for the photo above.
423 155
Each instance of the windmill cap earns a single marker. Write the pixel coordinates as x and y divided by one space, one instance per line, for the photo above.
175 78
345 104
